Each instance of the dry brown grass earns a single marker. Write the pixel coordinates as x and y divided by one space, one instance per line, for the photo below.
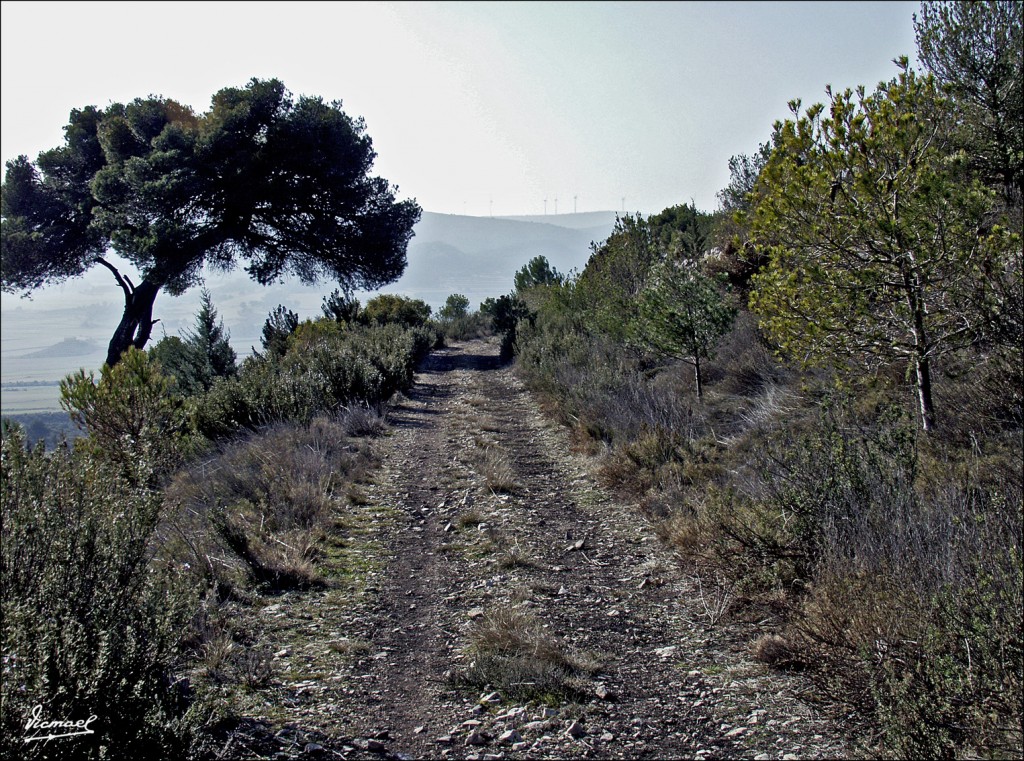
510 650
494 464
776 651
254 513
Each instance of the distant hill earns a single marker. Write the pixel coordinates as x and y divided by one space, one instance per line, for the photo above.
69 347
582 220
479 256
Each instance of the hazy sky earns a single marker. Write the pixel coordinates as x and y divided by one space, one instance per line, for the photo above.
474 108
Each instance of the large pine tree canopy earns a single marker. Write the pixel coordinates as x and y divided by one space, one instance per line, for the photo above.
279 183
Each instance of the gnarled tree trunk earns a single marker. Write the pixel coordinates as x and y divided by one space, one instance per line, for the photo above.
137 322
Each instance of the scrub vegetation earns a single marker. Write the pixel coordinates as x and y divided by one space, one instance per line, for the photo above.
815 392
813 395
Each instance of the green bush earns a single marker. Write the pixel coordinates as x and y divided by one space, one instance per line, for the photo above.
131 415
90 622
327 367
389 308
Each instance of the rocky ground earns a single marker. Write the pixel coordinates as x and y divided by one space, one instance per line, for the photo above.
481 522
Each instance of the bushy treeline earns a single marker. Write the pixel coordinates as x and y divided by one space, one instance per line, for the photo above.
190 487
815 392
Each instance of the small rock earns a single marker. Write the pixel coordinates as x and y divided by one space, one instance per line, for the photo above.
476 737
419 730
576 546
534 726
491 757
607 737
511 713
475 612
448 528
790 757
375 746
666 652
477 709
547 713
520 746
576 730
494 697
313 748
444 740
509 738
736 732
472 723
563 591
762 757
602 692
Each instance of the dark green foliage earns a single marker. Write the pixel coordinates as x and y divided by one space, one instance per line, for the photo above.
341 307
977 49
280 183
202 356
505 313
536 272
683 315
179 360
133 419
280 324
682 231
455 306
616 274
743 173
211 341
388 308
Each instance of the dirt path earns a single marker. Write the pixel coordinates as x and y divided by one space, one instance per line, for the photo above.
483 519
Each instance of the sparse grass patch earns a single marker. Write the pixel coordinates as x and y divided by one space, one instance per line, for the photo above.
514 556
351 646
509 650
470 518
256 511
493 463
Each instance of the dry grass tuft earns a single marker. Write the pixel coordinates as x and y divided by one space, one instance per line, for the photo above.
776 651
511 651
494 464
